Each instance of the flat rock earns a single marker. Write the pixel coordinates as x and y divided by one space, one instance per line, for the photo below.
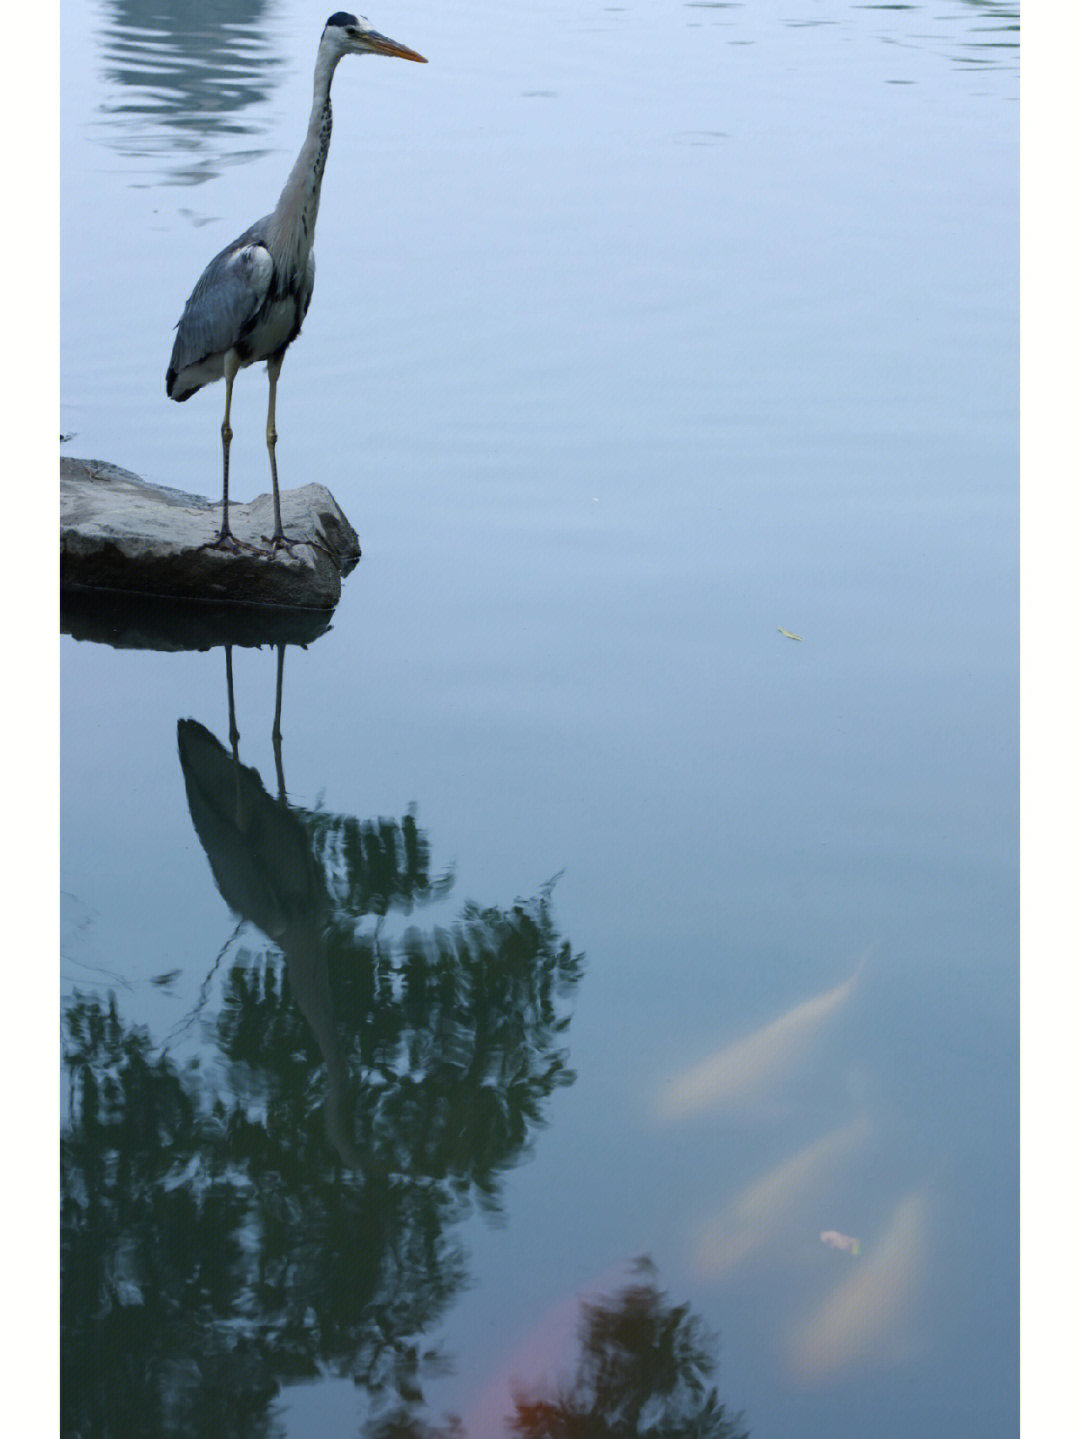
117 532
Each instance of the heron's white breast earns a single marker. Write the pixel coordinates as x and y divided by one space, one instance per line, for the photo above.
275 328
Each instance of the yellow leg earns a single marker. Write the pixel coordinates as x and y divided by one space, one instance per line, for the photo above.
232 366
273 370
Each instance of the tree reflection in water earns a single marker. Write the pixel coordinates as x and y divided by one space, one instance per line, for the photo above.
221 1238
643 1372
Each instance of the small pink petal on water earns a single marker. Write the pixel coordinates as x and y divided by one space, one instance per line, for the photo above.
836 1240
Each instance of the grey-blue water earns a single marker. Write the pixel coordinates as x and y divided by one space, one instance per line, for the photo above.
641 335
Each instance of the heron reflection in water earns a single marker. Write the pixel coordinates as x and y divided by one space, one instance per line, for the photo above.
261 859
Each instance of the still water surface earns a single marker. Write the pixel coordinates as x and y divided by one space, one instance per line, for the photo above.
579 917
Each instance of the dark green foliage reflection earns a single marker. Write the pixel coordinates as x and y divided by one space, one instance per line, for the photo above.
644 1370
296 1215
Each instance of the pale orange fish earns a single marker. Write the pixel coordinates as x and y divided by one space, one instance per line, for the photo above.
872 1318
748 1065
775 1204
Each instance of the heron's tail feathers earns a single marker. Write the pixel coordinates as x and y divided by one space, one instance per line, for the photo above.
173 391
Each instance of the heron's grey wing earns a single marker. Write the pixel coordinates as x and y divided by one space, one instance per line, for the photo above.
308 287
229 293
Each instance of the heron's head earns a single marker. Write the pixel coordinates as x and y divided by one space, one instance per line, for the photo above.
353 35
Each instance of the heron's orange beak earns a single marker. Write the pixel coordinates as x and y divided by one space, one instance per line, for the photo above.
383 45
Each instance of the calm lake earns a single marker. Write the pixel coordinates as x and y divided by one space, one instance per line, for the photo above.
585 993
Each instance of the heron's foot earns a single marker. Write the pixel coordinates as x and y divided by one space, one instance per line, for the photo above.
282 541
226 540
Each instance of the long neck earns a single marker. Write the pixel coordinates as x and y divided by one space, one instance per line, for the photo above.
291 230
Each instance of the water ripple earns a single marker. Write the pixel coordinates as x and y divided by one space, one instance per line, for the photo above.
183 77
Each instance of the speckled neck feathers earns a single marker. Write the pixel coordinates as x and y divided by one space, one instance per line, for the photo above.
291 227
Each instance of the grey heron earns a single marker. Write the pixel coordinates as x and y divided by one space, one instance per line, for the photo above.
251 299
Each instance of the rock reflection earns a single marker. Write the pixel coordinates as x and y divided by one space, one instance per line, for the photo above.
290 1210
148 622
186 77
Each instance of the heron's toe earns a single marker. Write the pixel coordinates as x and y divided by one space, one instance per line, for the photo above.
226 540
